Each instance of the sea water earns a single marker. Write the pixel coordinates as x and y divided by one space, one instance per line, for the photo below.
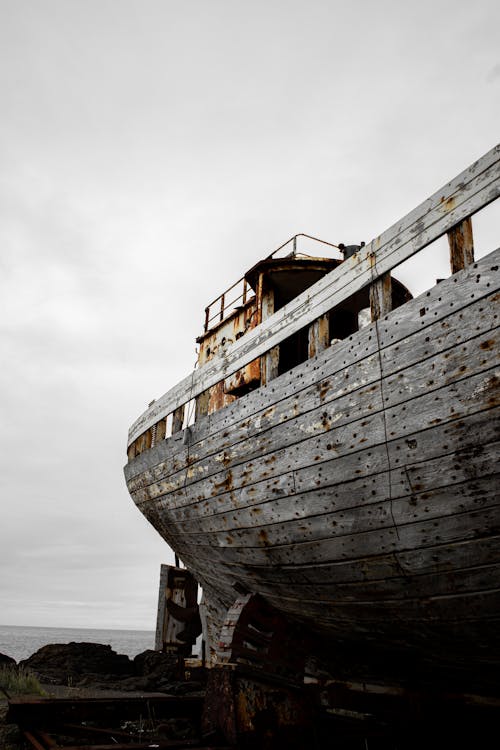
20 642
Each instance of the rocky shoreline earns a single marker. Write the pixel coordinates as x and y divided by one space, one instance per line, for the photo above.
85 670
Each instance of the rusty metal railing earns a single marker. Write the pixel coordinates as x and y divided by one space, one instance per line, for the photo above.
223 308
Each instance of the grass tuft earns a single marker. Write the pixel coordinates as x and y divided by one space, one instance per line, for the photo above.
18 681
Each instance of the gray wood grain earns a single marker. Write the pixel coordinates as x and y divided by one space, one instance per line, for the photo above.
434 319
310 439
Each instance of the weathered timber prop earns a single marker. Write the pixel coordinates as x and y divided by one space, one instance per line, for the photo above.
178 620
257 637
251 712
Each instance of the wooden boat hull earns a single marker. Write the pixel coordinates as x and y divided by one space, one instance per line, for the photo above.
358 492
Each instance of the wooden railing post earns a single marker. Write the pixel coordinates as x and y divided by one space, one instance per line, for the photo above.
461 245
318 335
202 404
381 296
269 362
177 419
161 430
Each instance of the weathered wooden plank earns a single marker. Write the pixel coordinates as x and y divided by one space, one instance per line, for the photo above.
282 411
428 561
459 199
397 587
296 598
318 336
270 462
445 475
316 437
461 245
398 352
425 376
411 483
418 610
414 460
224 419
452 528
364 607
269 548
269 362
161 430
357 519
406 616
451 366
381 297
178 419
295 435
202 402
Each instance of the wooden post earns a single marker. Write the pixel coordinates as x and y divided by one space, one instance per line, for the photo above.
461 245
160 615
140 444
131 450
202 404
381 296
161 430
318 335
270 360
177 419
269 365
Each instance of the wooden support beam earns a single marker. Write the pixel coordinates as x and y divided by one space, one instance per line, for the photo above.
47 739
319 335
177 419
381 296
160 615
33 740
269 362
140 444
202 404
461 244
161 430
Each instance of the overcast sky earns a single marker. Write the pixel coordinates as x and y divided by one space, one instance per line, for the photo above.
151 151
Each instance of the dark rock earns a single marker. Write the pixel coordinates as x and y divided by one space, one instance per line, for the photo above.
114 682
69 662
7 661
156 663
185 688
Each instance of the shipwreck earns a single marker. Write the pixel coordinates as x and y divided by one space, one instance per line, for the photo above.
329 471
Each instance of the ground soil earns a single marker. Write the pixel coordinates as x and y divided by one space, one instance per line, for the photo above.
80 671
10 736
